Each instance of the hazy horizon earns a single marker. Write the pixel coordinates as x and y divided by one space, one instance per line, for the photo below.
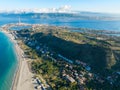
102 6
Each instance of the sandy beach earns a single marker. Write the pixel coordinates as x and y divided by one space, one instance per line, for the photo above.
23 77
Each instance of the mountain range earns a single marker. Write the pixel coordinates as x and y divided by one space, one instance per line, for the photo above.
63 9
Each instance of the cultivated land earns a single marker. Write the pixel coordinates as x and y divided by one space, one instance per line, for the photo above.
61 59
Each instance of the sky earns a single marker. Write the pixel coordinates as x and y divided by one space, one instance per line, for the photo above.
107 6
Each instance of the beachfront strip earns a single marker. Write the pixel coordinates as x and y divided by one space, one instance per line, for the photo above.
24 79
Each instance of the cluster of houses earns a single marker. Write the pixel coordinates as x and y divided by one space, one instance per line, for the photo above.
39 85
87 67
74 75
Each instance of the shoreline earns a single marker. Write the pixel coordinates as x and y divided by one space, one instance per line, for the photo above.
18 67
21 68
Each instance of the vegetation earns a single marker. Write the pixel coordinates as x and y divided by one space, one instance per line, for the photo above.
76 46
51 74
100 52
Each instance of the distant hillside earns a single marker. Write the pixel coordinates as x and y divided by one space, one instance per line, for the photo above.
67 16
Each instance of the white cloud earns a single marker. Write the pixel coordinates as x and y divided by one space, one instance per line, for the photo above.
66 8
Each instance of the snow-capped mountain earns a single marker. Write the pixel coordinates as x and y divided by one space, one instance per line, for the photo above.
63 9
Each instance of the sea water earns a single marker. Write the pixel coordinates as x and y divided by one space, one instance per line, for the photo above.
113 25
8 62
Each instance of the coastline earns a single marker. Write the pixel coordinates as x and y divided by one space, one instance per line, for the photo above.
16 74
22 68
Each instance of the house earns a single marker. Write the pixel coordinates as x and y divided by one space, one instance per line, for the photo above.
118 73
90 74
70 79
38 81
80 81
64 58
87 68
80 62
37 47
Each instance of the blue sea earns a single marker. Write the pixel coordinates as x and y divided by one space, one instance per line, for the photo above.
8 60
62 20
